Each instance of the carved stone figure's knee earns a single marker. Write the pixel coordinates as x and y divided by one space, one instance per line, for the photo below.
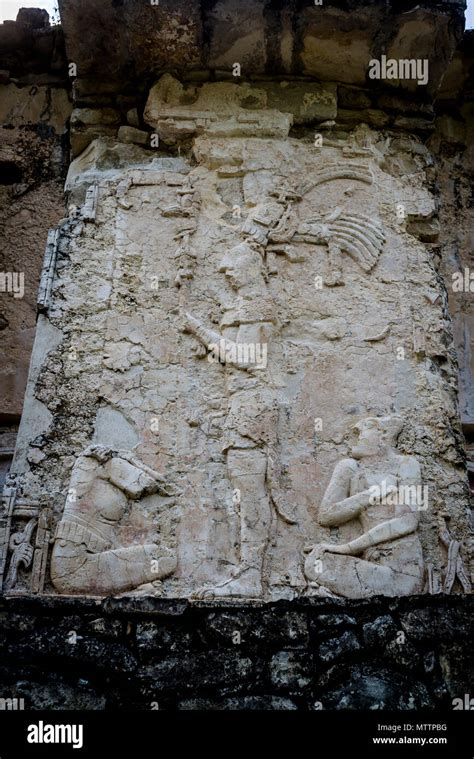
320 567
73 569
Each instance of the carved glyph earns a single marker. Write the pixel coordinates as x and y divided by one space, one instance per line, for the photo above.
24 541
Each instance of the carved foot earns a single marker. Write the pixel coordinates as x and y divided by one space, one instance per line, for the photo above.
164 566
247 584
315 590
148 589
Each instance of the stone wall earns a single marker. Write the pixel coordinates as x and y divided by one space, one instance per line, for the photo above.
409 654
265 209
238 180
34 111
203 42
453 143
109 374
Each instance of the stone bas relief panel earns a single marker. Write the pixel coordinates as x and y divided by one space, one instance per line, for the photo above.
221 330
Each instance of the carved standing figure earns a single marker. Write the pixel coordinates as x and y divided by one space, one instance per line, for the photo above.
22 552
380 489
245 333
252 413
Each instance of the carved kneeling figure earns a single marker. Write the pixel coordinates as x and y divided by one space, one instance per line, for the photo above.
86 558
372 487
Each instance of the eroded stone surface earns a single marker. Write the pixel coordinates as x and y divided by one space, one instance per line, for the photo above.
229 109
234 308
247 274
34 111
88 556
330 42
384 491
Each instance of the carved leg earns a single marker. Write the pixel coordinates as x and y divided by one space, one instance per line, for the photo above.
247 473
350 577
76 570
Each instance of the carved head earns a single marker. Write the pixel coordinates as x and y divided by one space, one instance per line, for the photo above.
242 266
376 434
103 480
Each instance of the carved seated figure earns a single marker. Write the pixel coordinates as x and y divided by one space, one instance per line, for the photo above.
376 487
86 557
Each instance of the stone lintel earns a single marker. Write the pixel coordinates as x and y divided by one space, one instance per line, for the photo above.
131 42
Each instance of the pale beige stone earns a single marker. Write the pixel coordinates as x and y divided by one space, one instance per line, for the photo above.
87 556
235 310
383 491
218 109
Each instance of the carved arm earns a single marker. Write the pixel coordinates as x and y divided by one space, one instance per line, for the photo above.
344 511
206 336
212 340
381 533
337 507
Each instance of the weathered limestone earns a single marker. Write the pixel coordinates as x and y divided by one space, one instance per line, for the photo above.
309 51
87 557
332 42
19 106
230 109
453 144
34 111
385 493
231 294
89 123
216 307
251 424
132 135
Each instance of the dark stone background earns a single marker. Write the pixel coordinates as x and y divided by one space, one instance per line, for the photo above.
306 654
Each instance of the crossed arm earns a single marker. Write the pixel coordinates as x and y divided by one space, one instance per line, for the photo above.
337 508
381 533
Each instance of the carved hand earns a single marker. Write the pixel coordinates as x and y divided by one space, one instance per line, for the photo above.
191 324
195 327
24 554
99 452
320 548
343 548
